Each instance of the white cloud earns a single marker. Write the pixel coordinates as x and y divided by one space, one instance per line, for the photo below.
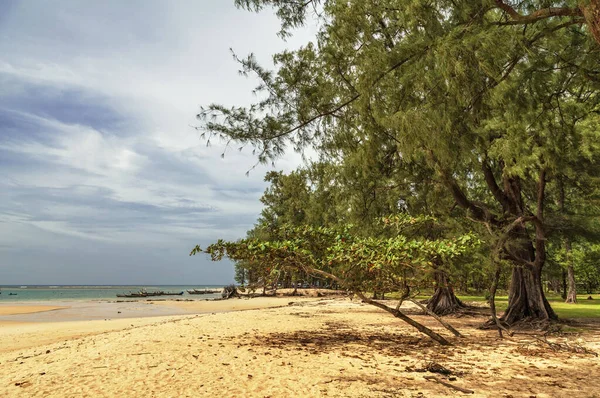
145 180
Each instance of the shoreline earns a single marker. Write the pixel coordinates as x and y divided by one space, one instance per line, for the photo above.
60 310
89 310
26 330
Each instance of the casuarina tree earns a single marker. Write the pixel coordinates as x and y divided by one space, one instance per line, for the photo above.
492 98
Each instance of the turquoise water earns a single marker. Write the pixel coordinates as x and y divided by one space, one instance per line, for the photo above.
54 293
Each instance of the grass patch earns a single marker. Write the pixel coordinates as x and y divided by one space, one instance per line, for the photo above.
583 309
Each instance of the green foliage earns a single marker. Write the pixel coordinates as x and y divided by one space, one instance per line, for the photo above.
587 266
463 112
360 264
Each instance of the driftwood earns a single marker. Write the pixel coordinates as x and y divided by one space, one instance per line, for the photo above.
442 382
432 367
229 292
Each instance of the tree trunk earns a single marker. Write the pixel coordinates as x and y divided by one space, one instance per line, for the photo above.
564 285
554 284
443 301
572 294
591 13
526 300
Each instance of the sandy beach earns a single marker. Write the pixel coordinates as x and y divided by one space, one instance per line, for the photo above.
281 347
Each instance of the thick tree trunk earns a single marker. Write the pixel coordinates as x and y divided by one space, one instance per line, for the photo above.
526 300
591 13
443 301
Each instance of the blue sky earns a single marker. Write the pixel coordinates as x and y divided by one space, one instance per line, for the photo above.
102 179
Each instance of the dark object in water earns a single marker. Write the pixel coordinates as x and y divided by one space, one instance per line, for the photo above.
205 291
136 294
143 293
12 294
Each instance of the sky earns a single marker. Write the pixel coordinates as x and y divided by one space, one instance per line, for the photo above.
103 179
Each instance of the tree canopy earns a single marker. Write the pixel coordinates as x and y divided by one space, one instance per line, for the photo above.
485 110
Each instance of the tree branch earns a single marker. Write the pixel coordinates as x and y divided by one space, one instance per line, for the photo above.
478 212
498 193
437 318
348 102
538 15
394 311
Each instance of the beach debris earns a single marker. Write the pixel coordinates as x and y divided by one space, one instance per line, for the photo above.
205 291
576 347
22 383
229 292
435 367
432 367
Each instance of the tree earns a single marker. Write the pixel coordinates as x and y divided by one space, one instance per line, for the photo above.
293 13
431 82
357 264
584 12
361 189
587 265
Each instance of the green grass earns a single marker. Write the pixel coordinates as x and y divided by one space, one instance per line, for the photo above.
583 309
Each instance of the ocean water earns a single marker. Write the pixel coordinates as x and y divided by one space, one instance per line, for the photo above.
71 293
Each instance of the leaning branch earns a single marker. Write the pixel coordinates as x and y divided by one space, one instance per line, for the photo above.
394 311
437 318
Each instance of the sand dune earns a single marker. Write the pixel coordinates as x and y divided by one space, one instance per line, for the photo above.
333 348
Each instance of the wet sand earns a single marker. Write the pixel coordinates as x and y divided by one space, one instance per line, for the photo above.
17 309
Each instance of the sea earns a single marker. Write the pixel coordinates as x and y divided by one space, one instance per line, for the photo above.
101 292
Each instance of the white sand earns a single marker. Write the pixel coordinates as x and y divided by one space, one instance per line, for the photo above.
334 348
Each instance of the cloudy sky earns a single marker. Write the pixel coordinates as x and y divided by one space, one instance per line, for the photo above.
102 179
